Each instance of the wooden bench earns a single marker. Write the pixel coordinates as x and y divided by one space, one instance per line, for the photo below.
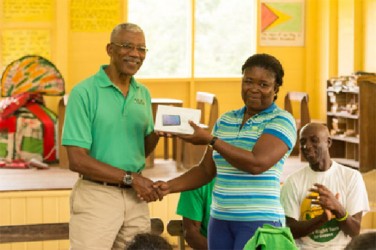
51 231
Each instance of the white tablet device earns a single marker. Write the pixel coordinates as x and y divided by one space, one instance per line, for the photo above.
175 120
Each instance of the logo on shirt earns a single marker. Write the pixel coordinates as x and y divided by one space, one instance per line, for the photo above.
326 232
139 101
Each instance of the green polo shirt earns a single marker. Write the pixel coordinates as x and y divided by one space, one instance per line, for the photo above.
112 127
195 205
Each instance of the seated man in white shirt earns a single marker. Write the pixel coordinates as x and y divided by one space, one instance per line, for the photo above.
325 201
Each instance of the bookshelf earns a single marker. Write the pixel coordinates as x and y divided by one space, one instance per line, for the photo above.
351 119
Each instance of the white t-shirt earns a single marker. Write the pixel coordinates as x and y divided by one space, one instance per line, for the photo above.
338 179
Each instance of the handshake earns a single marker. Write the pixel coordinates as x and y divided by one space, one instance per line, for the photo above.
149 191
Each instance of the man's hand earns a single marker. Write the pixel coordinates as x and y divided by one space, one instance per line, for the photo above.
328 201
162 188
144 188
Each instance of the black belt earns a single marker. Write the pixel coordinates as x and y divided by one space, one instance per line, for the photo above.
86 178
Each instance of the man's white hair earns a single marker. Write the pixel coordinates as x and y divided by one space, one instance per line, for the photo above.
125 26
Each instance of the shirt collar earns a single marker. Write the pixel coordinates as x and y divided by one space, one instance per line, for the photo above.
106 82
269 109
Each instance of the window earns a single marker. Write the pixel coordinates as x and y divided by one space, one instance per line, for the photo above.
166 24
225 35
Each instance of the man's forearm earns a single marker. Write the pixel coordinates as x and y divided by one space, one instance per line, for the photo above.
303 228
351 226
196 240
151 142
192 234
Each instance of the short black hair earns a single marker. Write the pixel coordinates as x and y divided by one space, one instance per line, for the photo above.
148 241
267 62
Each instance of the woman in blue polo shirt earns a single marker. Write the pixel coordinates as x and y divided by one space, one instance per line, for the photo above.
246 151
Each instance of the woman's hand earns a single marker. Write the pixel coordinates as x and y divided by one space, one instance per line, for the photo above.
144 188
200 135
162 188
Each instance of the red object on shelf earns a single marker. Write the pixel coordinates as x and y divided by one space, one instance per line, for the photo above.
20 164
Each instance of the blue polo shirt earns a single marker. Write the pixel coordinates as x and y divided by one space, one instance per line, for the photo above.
239 195
112 127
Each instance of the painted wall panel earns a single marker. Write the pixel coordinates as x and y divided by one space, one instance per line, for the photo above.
345 37
370 35
34 207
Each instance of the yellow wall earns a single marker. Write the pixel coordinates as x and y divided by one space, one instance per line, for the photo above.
339 39
335 43
35 207
369 48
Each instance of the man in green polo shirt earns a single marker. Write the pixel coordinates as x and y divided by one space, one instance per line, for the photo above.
108 132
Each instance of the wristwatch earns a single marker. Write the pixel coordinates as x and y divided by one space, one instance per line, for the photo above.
212 141
128 179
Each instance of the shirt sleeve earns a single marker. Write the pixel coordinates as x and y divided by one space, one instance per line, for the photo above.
150 126
77 125
283 127
190 205
357 197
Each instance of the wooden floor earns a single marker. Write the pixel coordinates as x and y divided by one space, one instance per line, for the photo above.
56 178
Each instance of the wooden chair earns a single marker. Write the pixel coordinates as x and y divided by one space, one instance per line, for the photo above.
207 101
300 100
175 228
187 154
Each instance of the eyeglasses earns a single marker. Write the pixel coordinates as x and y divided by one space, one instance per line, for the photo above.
131 47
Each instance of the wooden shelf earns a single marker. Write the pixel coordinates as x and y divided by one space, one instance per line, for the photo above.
344 148
367 123
343 115
350 139
348 162
351 91
356 152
